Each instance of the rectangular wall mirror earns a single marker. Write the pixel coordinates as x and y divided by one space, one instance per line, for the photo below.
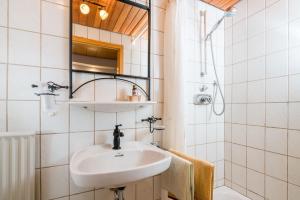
111 37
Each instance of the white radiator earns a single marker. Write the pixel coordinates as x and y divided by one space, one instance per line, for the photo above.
17 166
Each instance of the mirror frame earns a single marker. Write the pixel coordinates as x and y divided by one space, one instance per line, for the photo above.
112 75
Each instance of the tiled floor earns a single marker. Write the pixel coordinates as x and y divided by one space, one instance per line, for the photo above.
225 193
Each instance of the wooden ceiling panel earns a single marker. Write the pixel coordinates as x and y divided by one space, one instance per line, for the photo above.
222 4
123 18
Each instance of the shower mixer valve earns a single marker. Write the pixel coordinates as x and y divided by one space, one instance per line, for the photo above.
202 99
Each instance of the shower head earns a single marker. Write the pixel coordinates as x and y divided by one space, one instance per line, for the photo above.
229 13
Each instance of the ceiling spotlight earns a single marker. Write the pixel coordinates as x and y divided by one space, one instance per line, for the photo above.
84 8
103 14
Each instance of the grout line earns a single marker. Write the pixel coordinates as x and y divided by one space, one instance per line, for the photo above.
7 60
40 106
288 96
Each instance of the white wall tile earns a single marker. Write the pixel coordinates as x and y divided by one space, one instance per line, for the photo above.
62 2
294 112
3 12
81 119
256 24
57 123
104 36
211 133
55 19
239 72
256 137
201 152
239 114
256 91
275 189
256 68
239 175
24 47
255 182
125 118
27 120
3 84
256 159
294 61
93 33
228 55
277 89
276 140
212 152
3 45
270 2
228 38
55 182
239 31
102 88
80 140
294 32
293 11
2 116
20 79
276 115
293 141
293 170
239 154
294 90
239 134
55 47
87 92
277 39
54 149
276 165
105 121
242 7
200 134
256 114
293 192
239 52
28 17
81 31
277 64
255 6
256 46
276 14
239 93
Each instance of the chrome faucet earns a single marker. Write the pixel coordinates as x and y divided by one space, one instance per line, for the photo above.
117 135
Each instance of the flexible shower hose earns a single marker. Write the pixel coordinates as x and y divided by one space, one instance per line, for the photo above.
217 85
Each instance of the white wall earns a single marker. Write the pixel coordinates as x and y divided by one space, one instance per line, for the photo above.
34 47
262 132
204 132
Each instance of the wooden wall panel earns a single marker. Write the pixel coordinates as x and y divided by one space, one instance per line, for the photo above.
222 4
123 18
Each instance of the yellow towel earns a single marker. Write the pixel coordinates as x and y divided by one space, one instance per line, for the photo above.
203 177
179 178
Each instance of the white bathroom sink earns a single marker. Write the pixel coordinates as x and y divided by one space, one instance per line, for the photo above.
100 166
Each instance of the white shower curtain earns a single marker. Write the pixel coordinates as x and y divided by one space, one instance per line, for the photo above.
174 54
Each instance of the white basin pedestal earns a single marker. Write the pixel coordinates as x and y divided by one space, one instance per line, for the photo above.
102 167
